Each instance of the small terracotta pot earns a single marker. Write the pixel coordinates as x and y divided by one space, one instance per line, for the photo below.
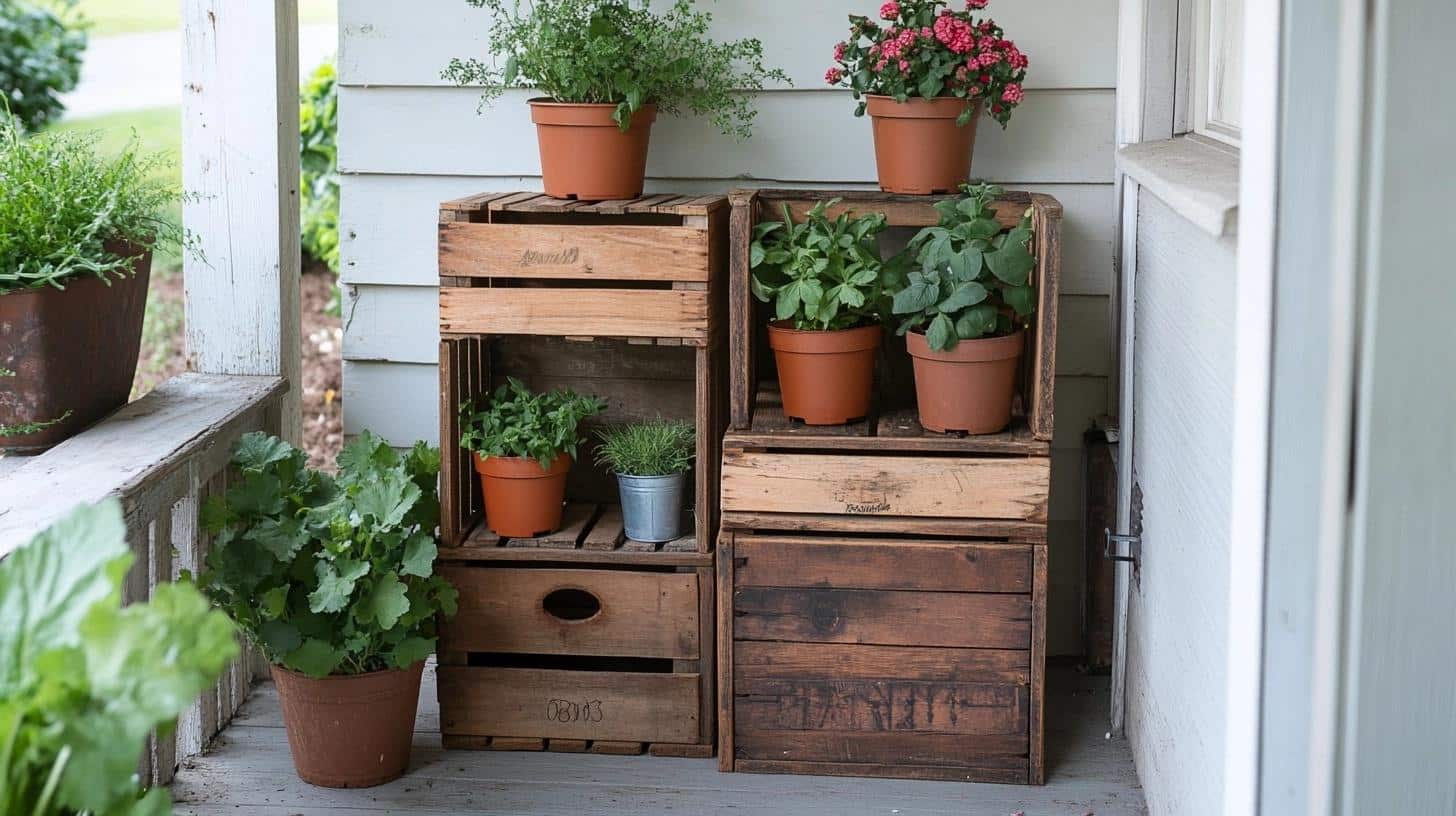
968 388
350 731
918 147
584 155
522 499
825 376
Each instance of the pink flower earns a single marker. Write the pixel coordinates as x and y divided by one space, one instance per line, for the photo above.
839 50
905 65
890 10
984 79
989 58
1012 94
954 33
880 65
974 90
1018 60
976 4
833 75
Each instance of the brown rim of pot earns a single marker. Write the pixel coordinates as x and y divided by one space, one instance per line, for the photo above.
784 337
520 467
941 107
547 111
976 350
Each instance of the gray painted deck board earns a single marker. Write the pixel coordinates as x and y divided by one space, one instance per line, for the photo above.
248 770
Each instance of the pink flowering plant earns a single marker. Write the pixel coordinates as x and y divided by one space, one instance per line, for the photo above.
927 50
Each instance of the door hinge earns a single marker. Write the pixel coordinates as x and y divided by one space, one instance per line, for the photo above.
1114 543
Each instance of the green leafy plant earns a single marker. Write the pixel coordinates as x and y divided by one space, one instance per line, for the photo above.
621 53
974 278
517 422
65 202
83 679
41 44
318 122
330 575
822 273
656 448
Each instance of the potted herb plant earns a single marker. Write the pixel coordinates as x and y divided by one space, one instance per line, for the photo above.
607 68
333 578
964 311
523 445
924 78
651 460
75 258
825 279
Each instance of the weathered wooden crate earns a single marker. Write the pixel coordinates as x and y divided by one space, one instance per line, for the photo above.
882 655
751 361
563 658
622 299
525 263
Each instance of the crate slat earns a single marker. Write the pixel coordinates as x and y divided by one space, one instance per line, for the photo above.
563 311
546 251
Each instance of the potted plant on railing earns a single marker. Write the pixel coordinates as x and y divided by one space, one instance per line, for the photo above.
333 578
77 231
607 68
964 311
924 78
651 460
523 445
825 279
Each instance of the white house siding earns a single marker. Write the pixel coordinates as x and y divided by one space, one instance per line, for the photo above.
1178 614
408 140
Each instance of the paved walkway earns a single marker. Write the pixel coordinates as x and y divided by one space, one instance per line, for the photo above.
140 71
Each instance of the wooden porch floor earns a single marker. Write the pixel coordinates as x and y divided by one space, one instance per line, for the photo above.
248 771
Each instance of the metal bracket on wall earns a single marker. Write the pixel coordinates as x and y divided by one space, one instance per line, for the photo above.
1114 543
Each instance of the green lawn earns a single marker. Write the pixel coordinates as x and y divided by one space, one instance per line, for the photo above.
122 16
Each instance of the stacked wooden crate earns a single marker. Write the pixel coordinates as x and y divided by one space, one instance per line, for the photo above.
882 588
582 640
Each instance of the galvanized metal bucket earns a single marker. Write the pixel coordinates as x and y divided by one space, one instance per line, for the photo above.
652 506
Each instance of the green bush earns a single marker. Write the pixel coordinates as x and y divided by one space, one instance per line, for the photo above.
318 123
64 200
40 58
657 448
519 423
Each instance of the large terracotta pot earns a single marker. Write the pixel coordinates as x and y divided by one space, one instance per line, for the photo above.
584 154
72 349
522 499
919 149
968 388
825 376
350 731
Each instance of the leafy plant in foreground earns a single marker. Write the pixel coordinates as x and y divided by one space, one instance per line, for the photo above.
657 448
330 575
83 680
974 279
822 273
517 422
620 53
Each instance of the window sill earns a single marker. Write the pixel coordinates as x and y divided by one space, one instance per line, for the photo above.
1195 176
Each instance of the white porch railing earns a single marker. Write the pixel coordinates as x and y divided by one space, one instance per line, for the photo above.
161 456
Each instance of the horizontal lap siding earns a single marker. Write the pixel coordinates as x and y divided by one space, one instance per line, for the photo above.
408 141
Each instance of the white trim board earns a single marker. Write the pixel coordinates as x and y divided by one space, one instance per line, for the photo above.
1197 178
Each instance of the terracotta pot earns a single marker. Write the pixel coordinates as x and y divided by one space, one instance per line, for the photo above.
918 147
522 499
350 731
825 376
72 349
584 154
968 388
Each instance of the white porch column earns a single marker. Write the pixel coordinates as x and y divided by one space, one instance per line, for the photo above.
240 154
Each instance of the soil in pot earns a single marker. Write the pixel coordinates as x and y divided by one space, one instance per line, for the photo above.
585 155
70 352
652 506
919 149
967 388
522 499
351 731
825 376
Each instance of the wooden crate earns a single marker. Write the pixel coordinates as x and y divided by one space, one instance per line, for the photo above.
567 294
560 657
751 361
882 656
525 263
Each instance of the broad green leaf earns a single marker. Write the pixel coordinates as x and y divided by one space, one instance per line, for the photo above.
419 555
755 255
283 538
965 294
977 321
387 498
916 297
315 658
1011 263
384 602
788 301
412 650
279 637
274 602
941 333
966 264
336 584
257 450
259 494
1020 298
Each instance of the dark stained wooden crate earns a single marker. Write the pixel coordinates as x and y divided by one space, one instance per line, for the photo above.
751 361
556 656
885 656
